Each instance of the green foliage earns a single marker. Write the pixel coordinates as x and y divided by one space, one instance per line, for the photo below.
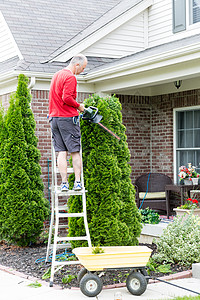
35 284
164 268
180 242
68 278
33 154
47 274
149 216
3 132
23 207
151 266
66 257
97 250
3 137
44 236
111 210
187 298
190 204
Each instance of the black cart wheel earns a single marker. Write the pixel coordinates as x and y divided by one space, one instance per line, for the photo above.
136 283
91 285
81 273
144 272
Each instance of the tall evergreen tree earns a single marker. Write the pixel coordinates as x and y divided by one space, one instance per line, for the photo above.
28 121
112 213
3 137
23 207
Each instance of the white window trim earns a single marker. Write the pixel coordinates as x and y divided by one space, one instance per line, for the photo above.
188 15
174 134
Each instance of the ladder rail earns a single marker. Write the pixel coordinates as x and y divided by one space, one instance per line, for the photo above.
84 203
56 215
85 220
53 177
50 228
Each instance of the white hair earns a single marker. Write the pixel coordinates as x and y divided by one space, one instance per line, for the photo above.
78 59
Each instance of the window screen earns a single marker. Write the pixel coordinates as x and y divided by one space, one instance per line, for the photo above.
194 11
188 138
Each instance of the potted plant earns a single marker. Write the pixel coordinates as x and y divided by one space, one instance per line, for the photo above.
191 206
188 175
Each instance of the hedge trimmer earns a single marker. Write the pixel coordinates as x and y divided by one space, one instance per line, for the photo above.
91 114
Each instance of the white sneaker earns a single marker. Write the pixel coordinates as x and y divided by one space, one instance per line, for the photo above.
64 187
77 186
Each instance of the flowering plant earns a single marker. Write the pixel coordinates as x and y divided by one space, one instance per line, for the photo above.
190 204
188 173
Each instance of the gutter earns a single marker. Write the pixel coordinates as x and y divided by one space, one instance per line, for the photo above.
127 67
32 82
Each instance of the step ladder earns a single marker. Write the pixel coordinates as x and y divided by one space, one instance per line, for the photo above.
57 213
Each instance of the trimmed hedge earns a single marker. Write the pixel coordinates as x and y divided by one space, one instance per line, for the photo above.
23 207
112 213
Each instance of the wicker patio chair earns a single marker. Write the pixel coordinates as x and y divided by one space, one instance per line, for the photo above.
154 194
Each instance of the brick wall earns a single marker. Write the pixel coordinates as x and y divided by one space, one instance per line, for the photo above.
136 117
162 135
149 123
39 106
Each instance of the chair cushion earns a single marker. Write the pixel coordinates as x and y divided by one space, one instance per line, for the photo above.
154 195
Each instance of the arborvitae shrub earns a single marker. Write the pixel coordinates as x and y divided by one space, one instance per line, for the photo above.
3 137
33 154
23 208
112 213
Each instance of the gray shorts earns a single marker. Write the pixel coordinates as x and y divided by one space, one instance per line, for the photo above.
66 135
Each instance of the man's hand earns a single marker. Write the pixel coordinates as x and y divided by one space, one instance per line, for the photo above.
81 107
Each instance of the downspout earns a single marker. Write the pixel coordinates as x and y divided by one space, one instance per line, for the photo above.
31 85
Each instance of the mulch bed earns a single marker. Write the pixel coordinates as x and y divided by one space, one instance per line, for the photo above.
23 259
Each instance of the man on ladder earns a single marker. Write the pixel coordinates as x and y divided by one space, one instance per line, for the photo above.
63 115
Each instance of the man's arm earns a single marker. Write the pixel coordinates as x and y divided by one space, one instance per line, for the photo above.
69 92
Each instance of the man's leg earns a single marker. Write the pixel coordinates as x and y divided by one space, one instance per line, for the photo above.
76 160
62 165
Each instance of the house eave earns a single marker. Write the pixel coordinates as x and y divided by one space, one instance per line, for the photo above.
156 61
42 80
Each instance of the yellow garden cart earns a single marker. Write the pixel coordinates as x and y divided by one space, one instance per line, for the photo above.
133 258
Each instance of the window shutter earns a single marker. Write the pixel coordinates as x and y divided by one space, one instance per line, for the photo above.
179 15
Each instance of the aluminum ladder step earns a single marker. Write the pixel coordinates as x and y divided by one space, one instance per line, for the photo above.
61 246
64 263
71 238
70 215
67 193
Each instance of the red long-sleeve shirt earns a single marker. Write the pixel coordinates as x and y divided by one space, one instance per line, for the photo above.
62 95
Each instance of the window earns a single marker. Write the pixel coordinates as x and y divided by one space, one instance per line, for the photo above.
194 11
185 13
188 138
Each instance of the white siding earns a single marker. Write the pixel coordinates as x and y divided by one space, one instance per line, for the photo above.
160 24
8 47
123 41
